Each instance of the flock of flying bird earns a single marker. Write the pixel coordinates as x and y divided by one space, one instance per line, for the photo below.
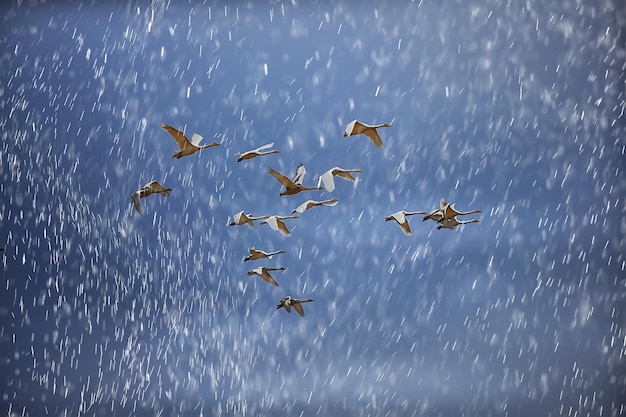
445 216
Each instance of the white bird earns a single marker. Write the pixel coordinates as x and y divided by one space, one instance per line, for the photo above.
242 218
260 151
288 302
453 223
400 217
151 188
259 254
277 223
312 203
449 212
327 178
437 215
186 146
355 127
292 186
264 273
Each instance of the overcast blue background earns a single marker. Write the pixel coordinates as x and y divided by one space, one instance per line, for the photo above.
514 108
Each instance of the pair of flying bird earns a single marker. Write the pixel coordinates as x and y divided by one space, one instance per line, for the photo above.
326 180
445 216
189 147
186 147
353 128
275 222
262 271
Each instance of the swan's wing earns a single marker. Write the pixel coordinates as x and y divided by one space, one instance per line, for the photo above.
436 215
449 224
467 221
254 152
300 173
178 136
373 135
362 126
262 148
405 227
156 187
303 207
272 222
399 217
350 128
327 180
330 203
298 307
237 217
136 203
286 182
463 213
449 212
346 175
282 228
196 139
267 277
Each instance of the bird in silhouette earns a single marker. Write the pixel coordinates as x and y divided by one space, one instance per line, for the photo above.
151 188
187 147
355 127
288 302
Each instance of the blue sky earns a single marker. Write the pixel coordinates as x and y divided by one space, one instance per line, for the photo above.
516 110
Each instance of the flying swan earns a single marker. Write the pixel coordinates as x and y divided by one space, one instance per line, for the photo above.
355 127
152 188
400 217
288 302
186 146
327 178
